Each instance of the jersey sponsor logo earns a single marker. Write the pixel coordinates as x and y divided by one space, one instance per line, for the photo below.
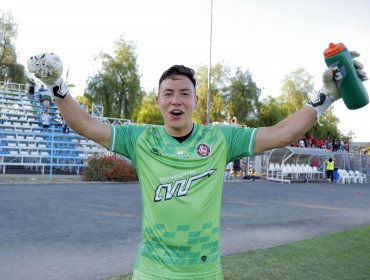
203 150
180 187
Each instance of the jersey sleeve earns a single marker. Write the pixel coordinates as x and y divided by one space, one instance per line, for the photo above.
123 139
240 141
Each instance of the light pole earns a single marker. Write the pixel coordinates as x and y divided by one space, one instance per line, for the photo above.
209 70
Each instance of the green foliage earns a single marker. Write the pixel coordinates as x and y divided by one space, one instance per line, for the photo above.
270 112
108 168
243 99
148 112
9 68
85 99
219 78
117 85
295 92
15 73
8 31
328 127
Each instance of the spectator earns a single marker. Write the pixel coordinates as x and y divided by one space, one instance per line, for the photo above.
31 89
245 167
236 167
46 120
335 146
64 126
45 97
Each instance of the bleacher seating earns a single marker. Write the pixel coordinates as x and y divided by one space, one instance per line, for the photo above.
26 145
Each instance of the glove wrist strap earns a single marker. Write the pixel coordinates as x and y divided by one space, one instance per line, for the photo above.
321 103
59 89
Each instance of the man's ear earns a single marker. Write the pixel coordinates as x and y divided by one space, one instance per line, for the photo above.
157 102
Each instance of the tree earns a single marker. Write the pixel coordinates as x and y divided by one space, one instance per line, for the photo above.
148 112
219 78
8 34
243 98
270 112
117 85
9 69
295 92
85 99
327 127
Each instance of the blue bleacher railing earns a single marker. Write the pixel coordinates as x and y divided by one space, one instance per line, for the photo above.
26 147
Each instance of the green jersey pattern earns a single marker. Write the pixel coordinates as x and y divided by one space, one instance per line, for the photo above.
181 187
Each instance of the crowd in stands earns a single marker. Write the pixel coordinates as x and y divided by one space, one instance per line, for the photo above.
322 143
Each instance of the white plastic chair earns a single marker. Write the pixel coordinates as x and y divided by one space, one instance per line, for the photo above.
277 167
294 170
284 171
364 178
352 177
315 171
361 177
309 170
356 174
343 177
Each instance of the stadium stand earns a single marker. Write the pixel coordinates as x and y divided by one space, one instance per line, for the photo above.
26 147
292 164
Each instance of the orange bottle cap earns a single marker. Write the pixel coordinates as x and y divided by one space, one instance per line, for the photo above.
333 49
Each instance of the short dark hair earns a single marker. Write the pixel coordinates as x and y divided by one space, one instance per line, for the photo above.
178 70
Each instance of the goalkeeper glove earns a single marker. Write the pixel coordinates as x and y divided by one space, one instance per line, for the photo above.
49 68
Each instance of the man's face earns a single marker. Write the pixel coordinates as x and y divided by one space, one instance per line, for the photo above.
176 101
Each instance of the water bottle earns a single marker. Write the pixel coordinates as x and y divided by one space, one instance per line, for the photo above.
350 86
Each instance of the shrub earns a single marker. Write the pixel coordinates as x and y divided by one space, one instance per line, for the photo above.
108 168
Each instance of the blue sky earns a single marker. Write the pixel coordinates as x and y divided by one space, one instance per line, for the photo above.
270 38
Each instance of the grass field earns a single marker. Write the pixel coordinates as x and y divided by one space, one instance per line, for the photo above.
344 256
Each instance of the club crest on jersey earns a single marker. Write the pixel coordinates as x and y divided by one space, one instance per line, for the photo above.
203 150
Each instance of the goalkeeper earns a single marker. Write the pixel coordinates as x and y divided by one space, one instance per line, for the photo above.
180 165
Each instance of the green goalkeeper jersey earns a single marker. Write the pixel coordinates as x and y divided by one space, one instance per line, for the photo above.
181 187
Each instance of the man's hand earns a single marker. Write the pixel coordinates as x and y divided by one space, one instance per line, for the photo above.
359 66
330 93
49 68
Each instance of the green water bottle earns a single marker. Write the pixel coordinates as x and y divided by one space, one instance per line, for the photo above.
350 86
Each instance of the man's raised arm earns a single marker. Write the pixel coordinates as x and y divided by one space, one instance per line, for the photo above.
294 126
49 68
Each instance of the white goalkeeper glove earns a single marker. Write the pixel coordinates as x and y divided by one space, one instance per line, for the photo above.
49 68
329 92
